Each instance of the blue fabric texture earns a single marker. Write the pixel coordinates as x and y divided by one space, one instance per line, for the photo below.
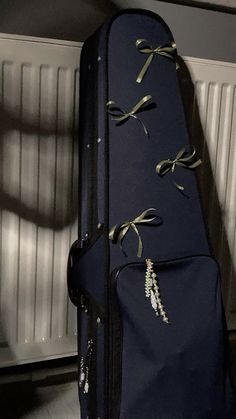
134 184
145 369
176 370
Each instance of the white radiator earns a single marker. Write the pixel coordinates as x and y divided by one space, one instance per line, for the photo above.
39 187
214 99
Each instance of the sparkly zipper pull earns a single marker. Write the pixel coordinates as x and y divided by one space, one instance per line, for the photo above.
81 373
86 383
83 303
88 364
152 291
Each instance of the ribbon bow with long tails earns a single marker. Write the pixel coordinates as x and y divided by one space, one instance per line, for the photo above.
183 158
119 115
168 51
118 232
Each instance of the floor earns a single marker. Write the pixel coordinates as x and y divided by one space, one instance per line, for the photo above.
52 399
27 401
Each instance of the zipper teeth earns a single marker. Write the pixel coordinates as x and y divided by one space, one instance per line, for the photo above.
88 362
162 262
84 308
81 372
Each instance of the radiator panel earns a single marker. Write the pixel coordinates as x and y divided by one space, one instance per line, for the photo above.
215 102
39 191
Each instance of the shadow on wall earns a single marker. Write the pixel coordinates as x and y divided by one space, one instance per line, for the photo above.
73 19
4 345
7 354
48 200
38 189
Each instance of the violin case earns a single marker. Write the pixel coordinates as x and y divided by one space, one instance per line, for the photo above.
152 337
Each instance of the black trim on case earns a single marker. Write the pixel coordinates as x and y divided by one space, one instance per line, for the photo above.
93 221
116 345
88 152
77 250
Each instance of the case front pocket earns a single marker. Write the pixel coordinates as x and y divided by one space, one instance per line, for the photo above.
170 370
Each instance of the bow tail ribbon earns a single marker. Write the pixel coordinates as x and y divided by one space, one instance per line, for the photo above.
142 123
145 68
140 243
183 159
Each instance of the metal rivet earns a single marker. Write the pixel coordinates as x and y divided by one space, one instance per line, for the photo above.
99 58
89 66
99 225
98 320
88 145
99 140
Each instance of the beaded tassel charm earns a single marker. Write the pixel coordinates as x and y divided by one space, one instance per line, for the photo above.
152 291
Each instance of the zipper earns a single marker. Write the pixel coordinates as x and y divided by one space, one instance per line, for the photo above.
116 271
88 360
85 365
83 307
81 372
87 368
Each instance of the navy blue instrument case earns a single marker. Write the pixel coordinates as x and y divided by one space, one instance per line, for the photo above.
152 338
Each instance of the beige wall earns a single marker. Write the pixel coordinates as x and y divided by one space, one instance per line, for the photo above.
198 32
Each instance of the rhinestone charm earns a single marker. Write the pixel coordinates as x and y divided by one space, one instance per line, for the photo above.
152 291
